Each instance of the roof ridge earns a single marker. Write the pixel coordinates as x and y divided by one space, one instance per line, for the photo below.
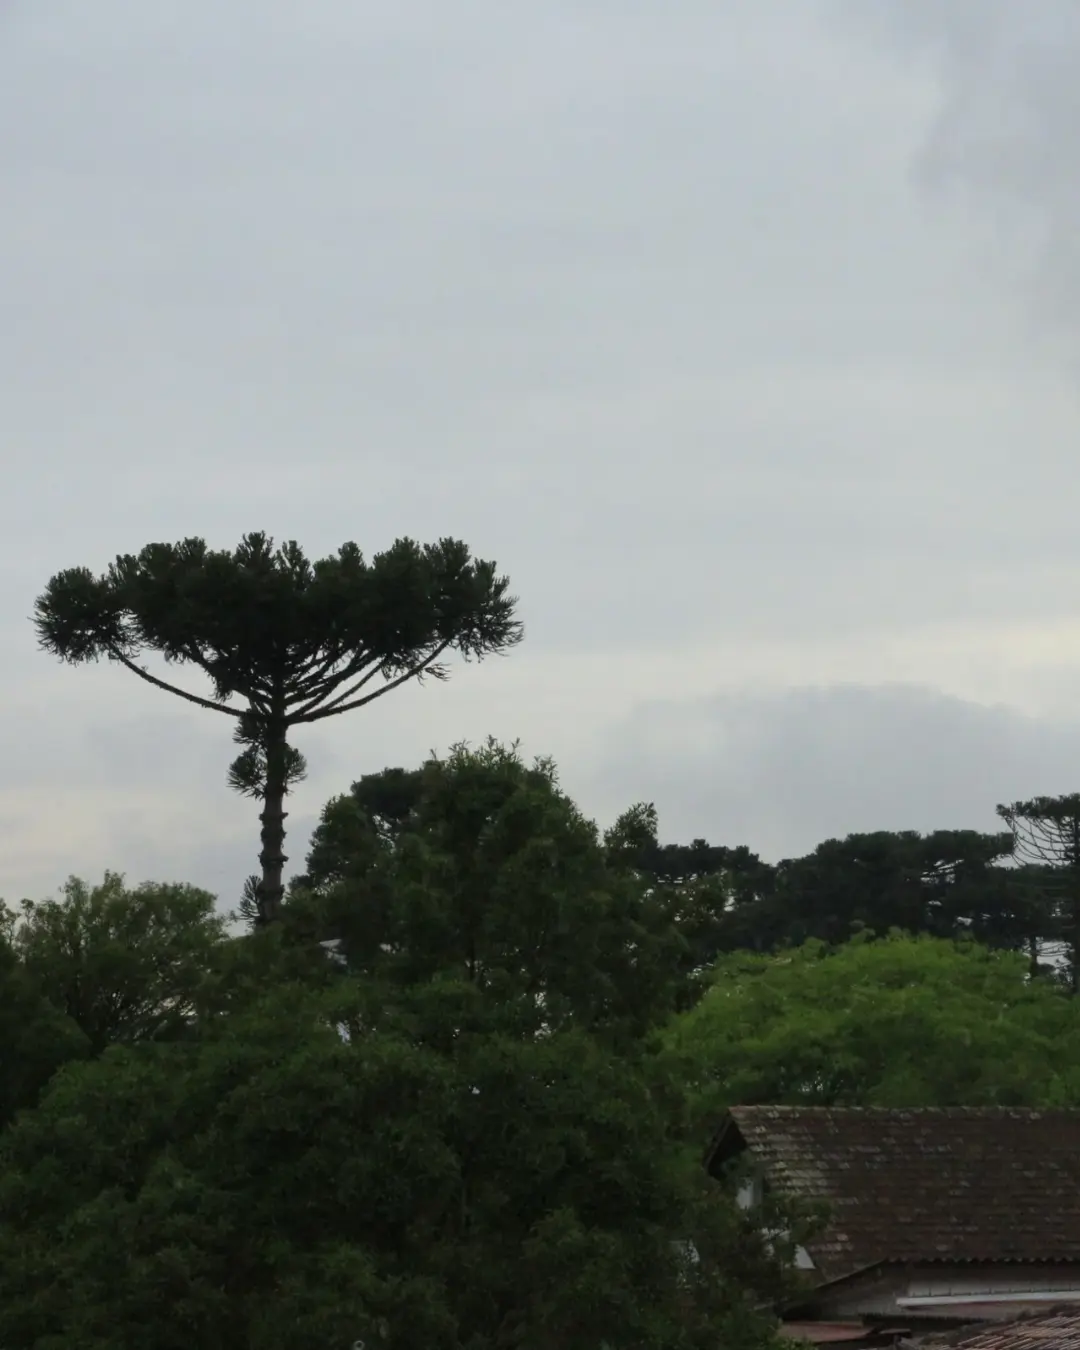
960 1184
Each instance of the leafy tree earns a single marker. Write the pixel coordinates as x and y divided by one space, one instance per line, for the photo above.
479 866
357 827
326 1167
900 1021
947 883
894 879
249 967
707 890
36 1038
123 964
253 1187
1046 835
295 641
724 899
634 841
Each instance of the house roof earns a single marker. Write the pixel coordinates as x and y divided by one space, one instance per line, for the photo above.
1056 1329
974 1184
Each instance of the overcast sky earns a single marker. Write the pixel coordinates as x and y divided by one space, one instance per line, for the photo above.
745 337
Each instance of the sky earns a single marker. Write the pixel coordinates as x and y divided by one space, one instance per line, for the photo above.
744 337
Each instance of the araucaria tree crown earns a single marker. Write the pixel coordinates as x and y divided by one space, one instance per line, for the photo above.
293 641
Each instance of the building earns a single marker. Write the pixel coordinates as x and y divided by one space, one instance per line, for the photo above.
937 1218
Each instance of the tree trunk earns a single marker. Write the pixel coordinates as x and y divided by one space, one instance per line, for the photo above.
1073 920
272 858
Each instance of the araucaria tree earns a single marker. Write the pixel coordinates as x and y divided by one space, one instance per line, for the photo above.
293 641
1047 834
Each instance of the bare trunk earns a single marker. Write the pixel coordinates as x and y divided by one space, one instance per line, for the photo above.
1075 916
272 858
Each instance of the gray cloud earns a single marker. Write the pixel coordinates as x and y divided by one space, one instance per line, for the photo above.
783 772
780 771
400 276
639 300
1003 139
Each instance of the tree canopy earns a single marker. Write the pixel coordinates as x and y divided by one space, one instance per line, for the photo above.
36 1037
948 883
460 1139
895 1021
481 1126
481 866
123 963
1046 840
277 1186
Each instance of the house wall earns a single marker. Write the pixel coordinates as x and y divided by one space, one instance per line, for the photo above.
870 1295
974 1292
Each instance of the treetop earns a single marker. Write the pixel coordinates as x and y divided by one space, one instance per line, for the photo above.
283 632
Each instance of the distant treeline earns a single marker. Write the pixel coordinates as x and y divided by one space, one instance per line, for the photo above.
948 883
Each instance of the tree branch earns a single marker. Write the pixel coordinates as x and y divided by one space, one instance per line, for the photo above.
331 710
322 683
313 703
171 688
426 664
310 665
253 693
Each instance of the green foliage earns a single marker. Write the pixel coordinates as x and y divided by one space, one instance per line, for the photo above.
465 1138
949 883
1046 829
944 884
281 1183
255 1187
36 1037
459 1141
899 1021
123 963
483 1128
484 869
259 616
634 841
1046 840
706 891
250 772
359 826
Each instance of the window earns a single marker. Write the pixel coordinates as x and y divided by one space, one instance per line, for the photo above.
750 1194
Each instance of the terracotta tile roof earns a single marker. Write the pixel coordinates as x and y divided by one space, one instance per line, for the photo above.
994 1184
1058 1329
